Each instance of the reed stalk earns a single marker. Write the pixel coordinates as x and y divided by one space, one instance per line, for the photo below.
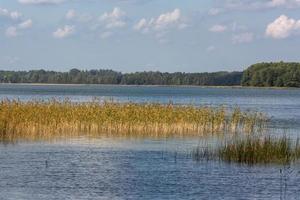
55 118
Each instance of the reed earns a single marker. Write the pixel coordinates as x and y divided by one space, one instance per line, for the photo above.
253 150
54 118
261 150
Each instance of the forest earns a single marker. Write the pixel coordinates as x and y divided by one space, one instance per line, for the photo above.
273 74
75 76
279 74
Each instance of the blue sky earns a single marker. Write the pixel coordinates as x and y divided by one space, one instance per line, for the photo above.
144 35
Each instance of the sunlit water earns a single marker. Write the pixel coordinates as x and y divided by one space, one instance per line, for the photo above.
105 168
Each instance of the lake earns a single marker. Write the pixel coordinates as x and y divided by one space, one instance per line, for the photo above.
124 168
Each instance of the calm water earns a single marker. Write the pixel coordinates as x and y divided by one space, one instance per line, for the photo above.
104 168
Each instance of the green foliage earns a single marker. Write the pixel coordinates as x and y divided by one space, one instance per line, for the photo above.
278 74
75 76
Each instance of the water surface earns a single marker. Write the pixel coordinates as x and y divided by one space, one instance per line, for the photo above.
105 168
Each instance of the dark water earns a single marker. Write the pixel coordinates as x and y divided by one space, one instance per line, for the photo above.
104 168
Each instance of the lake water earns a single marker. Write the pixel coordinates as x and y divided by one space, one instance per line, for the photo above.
106 168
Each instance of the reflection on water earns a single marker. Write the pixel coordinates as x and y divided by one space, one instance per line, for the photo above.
126 168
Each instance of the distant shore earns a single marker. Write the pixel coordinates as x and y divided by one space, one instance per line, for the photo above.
261 75
179 86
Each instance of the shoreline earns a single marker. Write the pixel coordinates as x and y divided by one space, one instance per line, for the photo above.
179 86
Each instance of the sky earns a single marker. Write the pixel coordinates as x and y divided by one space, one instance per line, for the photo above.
147 35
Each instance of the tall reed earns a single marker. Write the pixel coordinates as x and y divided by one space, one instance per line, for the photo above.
50 118
253 150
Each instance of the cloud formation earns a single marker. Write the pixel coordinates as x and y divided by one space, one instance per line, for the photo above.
218 28
14 19
283 27
164 21
104 25
25 24
64 32
13 15
113 19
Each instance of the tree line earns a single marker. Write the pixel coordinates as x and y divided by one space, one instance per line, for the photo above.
273 74
76 76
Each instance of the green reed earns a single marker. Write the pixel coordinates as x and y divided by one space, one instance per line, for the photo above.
54 118
253 150
256 150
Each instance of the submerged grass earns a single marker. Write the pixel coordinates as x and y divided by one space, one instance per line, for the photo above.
54 118
253 150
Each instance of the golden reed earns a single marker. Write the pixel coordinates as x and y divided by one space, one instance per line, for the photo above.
55 118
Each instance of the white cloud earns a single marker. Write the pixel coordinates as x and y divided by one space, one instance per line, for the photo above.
243 38
283 27
114 19
66 31
40 2
164 21
4 12
218 28
11 31
13 15
141 24
71 14
167 19
25 24
105 25
161 25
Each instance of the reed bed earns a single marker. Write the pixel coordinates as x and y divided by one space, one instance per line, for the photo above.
55 118
265 150
253 150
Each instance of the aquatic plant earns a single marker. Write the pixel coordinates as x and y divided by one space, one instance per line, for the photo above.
257 150
53 118
253 150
